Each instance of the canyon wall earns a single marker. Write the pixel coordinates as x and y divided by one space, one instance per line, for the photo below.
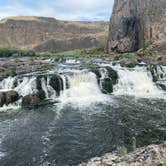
135 23
43 33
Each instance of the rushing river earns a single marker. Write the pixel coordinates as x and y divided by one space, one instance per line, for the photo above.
82 120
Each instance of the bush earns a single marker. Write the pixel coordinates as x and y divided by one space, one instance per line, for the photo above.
147 44
14 52
11 73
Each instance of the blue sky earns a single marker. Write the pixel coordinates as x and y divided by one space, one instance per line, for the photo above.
89 10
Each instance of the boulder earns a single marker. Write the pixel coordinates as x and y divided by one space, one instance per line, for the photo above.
8 97
112 74
107 85
2 99
33 100
11 96
57 83
157 72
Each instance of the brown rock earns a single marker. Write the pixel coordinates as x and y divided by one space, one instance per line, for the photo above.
8 97
136 22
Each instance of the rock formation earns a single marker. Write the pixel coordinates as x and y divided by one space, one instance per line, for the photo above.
45 34
152 155
136 22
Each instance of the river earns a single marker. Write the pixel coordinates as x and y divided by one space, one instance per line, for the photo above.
82 120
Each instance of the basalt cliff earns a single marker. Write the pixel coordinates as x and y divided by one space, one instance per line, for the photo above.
49 34
135 23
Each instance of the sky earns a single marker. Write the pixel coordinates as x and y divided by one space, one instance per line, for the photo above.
81 10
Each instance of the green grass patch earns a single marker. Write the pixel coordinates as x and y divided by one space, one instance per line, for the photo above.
131 56
15 52
93 52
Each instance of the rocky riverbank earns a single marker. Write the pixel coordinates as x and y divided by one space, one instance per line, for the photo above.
153 155
16 66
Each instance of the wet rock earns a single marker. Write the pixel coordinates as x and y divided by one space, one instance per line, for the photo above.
111 77
8 97
162 86
13 67
57 83
41 94
11 96
107 85
31 100
112 74
157 72
96 71
152 155
2 99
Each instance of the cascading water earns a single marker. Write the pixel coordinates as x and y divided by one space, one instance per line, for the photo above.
49 91
84 118
7 83
83 89
136 82
26 86
70 83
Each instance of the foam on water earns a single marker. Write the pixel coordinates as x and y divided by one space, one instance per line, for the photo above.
136 82
83 90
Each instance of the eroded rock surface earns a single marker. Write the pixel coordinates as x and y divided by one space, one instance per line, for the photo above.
134 23
49 34
153 155
16 66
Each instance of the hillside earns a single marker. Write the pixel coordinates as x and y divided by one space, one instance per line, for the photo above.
44 34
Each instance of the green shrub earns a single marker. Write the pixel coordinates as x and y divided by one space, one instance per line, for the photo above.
15 52
122 151
147 44
11 73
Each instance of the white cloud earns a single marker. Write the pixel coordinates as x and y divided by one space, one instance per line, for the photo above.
60 9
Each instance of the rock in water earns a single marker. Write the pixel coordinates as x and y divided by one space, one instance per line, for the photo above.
8 97
136 22
30 100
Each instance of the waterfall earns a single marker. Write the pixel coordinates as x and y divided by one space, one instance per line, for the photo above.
83 89
69 83
49 91
7 84
136 82
26 86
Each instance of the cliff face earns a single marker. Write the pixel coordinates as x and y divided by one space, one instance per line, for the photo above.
34 32
135 22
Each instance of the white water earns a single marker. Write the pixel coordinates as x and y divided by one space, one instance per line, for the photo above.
83 90
7 84
136 82
49 91
26 86
81 87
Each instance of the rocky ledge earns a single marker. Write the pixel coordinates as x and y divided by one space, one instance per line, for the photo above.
15 66
153 155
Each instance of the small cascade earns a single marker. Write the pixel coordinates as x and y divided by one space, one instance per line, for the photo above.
136 82
84 84
49 91
7 83
159 75
26 86
83 89
108 78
